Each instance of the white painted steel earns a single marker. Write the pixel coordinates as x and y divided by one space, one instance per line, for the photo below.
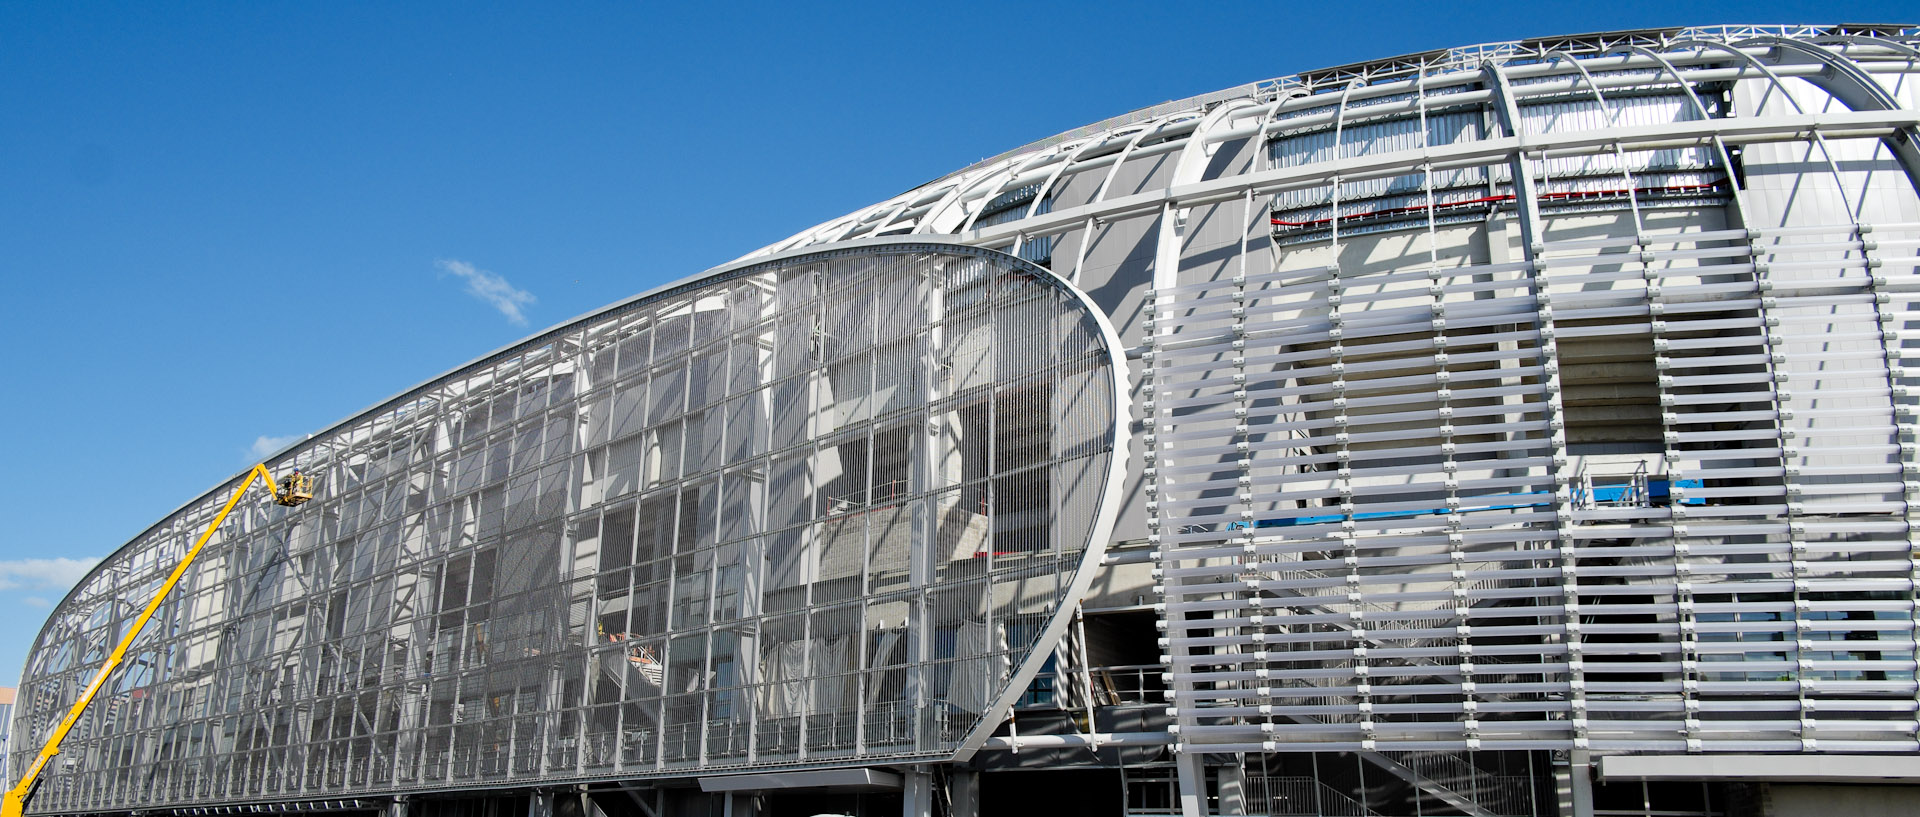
775 587
1534 396
1378 459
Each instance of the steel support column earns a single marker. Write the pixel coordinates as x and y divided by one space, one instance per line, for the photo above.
916 792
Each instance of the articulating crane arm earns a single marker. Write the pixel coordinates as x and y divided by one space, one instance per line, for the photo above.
299 489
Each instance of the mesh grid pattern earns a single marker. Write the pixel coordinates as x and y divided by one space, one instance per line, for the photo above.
812 511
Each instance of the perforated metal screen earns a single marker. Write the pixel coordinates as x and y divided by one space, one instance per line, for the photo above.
816 510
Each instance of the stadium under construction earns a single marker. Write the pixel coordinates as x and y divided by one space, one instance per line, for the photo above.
1513 429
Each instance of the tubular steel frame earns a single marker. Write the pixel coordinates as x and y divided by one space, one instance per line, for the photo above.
266 621
1815 540
1376 482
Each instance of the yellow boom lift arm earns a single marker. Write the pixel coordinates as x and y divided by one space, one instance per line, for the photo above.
297 489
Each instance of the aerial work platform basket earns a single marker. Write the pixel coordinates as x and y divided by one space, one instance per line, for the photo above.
294 489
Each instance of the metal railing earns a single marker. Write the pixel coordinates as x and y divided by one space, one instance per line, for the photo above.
1274 796
1629 490
886 493
1117 685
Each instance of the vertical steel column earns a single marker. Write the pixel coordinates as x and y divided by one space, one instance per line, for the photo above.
1188 168
1191 773
740 804
540 804
763 356
922 561
916 792
1233 789
1348 536
1527 209
963 792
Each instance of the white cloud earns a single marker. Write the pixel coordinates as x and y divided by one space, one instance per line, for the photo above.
56 574
36 601
264 445
491 288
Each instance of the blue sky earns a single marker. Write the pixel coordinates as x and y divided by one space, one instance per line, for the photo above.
224 225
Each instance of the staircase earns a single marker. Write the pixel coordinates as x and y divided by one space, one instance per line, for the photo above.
1440 777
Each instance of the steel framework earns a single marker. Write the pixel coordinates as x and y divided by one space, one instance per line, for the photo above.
829 509
1499 408
1534 396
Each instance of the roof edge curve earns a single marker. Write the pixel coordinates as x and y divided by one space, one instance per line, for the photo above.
732 269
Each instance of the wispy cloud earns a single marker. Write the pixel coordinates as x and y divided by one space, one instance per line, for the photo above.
35 601
264 445
55 575
491 288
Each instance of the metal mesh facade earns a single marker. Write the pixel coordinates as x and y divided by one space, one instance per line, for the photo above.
1502 411
1506 406
811 511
